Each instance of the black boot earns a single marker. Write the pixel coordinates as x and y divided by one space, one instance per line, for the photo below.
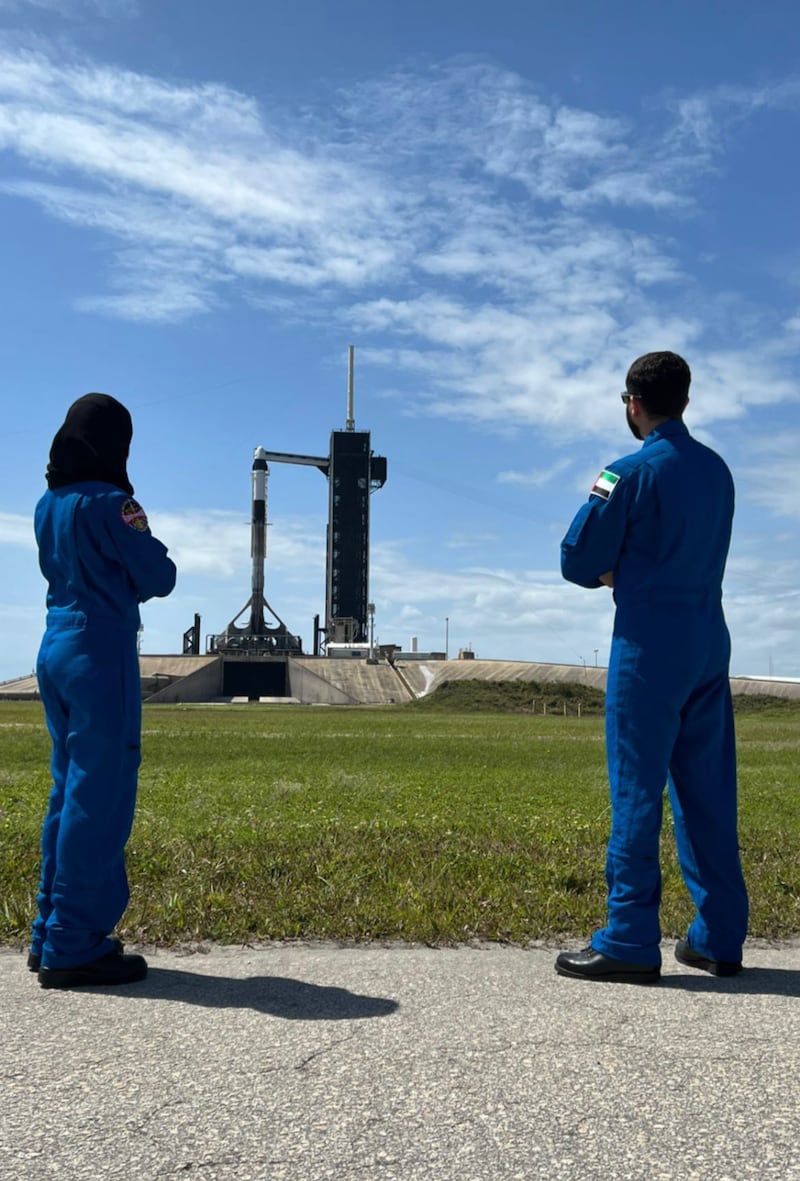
114 968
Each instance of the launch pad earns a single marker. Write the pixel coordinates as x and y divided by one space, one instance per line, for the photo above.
353 472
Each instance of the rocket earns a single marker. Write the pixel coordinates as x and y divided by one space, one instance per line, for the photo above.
257 637
258 540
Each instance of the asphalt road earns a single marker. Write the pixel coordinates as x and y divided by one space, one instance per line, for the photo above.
304 1062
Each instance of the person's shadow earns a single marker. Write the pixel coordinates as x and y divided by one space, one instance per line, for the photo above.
750 982
293 1000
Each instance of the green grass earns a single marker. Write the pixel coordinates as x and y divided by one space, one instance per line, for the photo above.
398 823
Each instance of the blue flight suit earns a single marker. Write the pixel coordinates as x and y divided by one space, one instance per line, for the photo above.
660 520
100 561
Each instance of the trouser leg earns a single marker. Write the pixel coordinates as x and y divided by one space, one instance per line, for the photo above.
57 725
703 796
89 889
641 725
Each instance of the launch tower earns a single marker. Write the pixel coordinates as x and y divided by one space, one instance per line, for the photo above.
353 473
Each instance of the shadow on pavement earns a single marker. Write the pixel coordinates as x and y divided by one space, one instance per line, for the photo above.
294 1000
751 982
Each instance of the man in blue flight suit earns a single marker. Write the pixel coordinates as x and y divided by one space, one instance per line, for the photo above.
656 528
100 561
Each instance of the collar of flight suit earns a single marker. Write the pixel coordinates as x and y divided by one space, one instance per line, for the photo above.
666 430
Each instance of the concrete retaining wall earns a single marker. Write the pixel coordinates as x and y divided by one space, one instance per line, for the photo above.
317 680
344 682
200 680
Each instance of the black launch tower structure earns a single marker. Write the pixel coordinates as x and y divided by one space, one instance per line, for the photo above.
353 474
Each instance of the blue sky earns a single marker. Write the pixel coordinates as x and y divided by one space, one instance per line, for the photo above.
500 205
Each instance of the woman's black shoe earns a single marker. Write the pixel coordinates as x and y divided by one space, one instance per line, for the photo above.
114 968
35 961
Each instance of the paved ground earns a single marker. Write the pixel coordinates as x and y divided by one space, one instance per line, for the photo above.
402 1064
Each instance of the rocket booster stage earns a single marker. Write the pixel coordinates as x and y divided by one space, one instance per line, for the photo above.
258 540
256 637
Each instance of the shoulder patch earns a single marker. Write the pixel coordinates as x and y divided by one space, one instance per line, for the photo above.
605 485
134 516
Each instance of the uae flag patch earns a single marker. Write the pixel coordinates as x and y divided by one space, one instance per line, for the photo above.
604 485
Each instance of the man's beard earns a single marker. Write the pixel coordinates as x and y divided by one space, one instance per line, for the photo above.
637 434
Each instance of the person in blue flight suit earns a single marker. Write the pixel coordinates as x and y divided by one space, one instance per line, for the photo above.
656 528
100 561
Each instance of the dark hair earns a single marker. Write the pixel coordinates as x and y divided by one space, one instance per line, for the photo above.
661 381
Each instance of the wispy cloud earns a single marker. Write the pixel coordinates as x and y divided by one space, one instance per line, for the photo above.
486 241
16 530
75 9
469 119
216 544
773 479
537 477
504 613
501 611
705 119
195 178
470 541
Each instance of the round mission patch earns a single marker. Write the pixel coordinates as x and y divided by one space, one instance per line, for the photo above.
134 516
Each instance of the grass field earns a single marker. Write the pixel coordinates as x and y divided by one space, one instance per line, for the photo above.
407 823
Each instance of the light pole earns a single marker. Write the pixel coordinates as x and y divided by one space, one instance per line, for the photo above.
371 613
446 637
595 656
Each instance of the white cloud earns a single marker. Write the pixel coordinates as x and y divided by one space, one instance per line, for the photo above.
526 364
75 9
503 613
465 541
479 235
773 480
195 178
167 286
16 530
20 633
764 627
537 477
704 119
467 115
216 543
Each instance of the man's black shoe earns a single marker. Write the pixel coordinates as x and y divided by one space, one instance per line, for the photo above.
114 968
684 954
593 965
35 961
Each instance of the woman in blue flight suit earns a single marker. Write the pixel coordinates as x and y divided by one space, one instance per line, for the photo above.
657 528
100 561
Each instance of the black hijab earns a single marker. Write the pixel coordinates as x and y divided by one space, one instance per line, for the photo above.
92 444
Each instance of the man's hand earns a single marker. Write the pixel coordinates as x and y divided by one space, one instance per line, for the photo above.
608 578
